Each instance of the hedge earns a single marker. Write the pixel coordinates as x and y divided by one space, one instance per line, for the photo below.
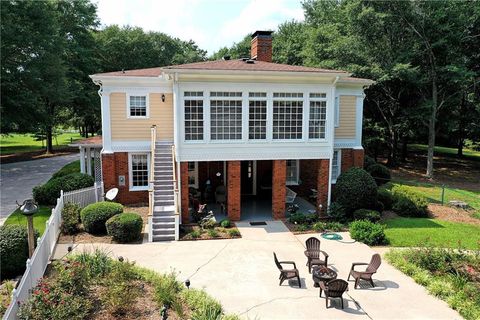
380 173
367 214
408 203
70 218
95 215
385 196
13 250
48 193
355 189
368 232
125 227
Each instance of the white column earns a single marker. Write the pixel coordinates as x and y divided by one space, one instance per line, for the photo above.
82 159
106 128
358 121
89 161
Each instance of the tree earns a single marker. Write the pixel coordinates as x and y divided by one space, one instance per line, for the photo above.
289 42
236 51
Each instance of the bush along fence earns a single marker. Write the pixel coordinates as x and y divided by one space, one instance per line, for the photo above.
37 264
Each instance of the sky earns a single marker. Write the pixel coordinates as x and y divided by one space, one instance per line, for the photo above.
212 24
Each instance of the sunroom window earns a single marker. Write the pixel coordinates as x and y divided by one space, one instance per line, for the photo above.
193 109
226 116
257 116
287 115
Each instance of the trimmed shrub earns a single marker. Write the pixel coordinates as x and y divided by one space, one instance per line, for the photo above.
70 218
319 226
367 214
233 233
95 215
380 173
337 212
297 218
125 227
225 223
311 218
368 232
48 193
13 250
408 203
355 189
368 161
334 226
386 198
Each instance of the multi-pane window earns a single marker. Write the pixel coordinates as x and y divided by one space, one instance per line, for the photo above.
292 172
193 115
226 116
287 117
257 117
335 165
337 111
139 170
138 106
288 95
318 119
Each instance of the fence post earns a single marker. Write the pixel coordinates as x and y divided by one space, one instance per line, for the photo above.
443 193
96 191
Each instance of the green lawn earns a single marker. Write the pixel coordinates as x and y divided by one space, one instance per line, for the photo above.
39 218
433 194
417 232
467 153
16 143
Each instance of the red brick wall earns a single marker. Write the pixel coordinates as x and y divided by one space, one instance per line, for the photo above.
261 48
208 170
352 158
184 192
279 178
308 178
322 185
358 155
113 166
233 190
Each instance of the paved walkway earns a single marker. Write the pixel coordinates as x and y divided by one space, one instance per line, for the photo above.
242 275
18 179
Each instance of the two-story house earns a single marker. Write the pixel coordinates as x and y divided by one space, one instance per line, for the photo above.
254 126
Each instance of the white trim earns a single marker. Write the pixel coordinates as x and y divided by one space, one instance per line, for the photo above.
106 122
147 104
82 160
130 174
345 143
337 111
359 120
339 165
131 146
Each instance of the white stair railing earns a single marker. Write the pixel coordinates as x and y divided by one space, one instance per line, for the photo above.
175 194
151 189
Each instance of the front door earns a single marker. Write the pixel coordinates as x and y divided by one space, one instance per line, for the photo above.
247 177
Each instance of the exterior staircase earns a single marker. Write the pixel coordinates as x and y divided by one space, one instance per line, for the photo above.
163 220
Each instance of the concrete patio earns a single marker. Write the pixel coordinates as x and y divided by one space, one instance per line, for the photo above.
242 275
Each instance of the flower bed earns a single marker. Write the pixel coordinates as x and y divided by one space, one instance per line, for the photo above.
94 286
452 275
195 232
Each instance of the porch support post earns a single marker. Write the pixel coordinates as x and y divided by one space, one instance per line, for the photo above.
82 159
322 185
89 161
279 185
233 190
184 194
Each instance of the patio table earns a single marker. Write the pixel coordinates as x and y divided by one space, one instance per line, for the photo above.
322 274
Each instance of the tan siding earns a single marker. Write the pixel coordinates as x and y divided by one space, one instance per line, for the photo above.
346 128
161 114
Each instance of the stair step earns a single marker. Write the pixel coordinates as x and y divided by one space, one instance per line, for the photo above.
159 219
161 208
163 225
164 203
163 238
166 192
169 231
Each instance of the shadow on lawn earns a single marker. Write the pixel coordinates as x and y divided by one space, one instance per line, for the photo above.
413 223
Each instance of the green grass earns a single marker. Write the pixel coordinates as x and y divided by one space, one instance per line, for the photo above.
433 194
72 167
417 232
467 153
17 143
39 218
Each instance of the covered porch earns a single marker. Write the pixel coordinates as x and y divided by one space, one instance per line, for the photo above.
90 156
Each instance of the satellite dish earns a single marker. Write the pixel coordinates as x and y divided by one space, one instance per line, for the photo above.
111 194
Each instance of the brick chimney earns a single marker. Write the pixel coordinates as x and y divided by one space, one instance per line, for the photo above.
261 46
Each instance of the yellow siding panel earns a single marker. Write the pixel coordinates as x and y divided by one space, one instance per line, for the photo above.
347 124
161 114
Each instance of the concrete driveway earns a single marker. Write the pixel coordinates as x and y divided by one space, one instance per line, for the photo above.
242 275
18 179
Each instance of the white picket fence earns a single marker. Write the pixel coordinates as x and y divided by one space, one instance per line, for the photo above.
46 244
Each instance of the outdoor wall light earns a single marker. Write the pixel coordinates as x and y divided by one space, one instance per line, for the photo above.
187 283
163 97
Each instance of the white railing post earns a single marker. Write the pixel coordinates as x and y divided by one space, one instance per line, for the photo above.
96 191
151 190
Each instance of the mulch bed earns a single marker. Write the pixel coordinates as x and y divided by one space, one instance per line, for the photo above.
452 214
84 237
35 155
222 233
293 228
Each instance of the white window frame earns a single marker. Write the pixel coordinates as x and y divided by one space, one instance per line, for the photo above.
288 96
195 95
257 97
147 105
295 182
338 164
227 95
317 97
130 172
336 119
195 175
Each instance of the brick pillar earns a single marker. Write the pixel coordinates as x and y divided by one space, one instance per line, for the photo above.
322 185
184 192
358 155
233 190
347 159
279 183
109 175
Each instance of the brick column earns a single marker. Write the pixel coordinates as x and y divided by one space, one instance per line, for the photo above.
233 190
279 183
184 192
322 185
109 175
347 159
358 155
